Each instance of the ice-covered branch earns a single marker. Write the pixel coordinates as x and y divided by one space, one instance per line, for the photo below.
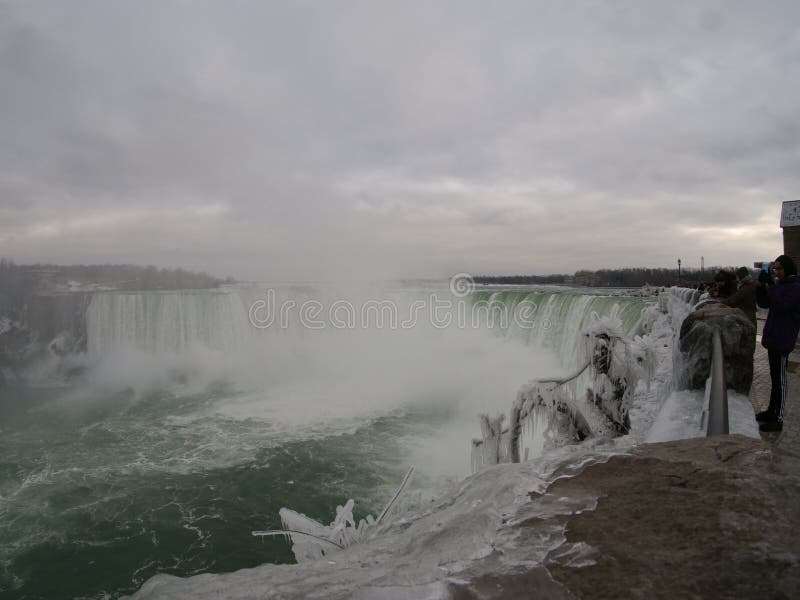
311 540
558 412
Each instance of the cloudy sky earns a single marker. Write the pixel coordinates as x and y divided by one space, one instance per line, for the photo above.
320 140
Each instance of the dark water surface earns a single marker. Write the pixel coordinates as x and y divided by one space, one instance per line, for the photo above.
98 496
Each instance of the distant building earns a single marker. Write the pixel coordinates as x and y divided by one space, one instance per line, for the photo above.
790 222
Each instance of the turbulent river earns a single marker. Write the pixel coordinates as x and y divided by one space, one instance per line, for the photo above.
193 417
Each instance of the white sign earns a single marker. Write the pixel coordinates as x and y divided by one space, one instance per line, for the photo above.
790 214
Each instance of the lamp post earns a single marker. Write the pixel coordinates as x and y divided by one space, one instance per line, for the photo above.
679 270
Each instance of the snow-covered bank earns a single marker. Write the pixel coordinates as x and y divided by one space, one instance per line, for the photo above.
681 417
484 523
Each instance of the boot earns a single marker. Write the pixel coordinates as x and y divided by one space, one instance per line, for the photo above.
771 426
764 415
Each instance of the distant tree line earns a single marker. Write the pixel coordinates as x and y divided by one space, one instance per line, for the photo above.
628 277
522 279
20 281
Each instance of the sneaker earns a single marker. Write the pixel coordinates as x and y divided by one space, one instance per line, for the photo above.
763 416
771 426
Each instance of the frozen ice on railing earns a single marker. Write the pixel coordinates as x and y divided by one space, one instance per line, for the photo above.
311 540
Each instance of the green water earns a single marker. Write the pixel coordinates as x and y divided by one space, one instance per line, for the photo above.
95 498
99 491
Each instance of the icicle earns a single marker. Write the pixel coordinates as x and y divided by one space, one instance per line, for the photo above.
312 540
615 366
400 490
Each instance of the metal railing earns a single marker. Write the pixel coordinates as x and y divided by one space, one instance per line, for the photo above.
718 395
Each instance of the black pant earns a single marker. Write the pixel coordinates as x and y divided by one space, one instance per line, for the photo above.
777 373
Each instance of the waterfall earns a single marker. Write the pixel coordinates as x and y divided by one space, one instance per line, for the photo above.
166 322
557 317
173 322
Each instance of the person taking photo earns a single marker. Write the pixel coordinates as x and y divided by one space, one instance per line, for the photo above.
782 298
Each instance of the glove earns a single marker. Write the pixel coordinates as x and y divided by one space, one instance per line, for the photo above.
763 277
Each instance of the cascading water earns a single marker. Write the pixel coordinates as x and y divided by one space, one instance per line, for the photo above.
166 322
143 474
555 318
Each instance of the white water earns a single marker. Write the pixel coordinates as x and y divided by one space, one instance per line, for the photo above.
304 379
430 546
303 376
188 405
301 381
166 322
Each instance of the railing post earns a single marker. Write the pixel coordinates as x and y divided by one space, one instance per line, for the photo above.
718 398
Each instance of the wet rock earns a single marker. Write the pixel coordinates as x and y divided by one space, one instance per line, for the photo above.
64 344
16 346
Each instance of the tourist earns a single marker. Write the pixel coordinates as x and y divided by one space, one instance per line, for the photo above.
724 284
780 333
744 298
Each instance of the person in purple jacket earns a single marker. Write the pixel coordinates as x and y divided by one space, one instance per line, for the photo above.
780 333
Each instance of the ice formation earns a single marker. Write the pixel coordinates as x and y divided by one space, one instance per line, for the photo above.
311 540
615 365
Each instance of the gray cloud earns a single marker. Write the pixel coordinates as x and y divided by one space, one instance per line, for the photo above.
304 140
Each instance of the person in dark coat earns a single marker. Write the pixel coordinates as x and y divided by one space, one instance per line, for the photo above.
780 333
744 298
724 285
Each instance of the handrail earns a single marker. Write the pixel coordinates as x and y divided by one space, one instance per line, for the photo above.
399 491
718 397
563 380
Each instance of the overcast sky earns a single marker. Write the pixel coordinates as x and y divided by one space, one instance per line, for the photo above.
321 140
